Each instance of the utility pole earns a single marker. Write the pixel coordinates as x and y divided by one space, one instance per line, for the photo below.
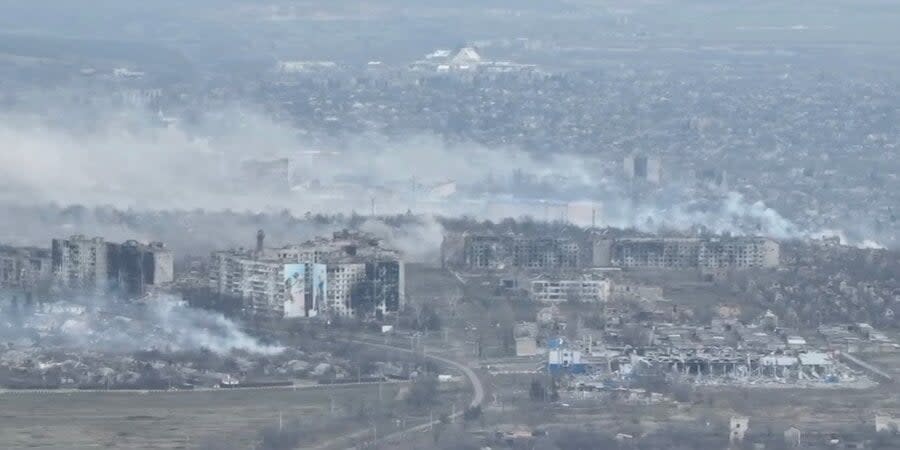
331 400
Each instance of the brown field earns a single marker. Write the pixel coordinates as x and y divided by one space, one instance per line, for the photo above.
212 419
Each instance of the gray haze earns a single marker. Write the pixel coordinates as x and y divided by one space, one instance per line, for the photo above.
157 107
197 123
124 157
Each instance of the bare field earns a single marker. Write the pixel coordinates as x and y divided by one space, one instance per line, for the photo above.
824 410
218 419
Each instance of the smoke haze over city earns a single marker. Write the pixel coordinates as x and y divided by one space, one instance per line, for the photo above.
556 224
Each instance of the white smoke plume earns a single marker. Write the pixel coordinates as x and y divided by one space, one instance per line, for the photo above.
191 328
847 240
101 324
419 241
129 159
730 214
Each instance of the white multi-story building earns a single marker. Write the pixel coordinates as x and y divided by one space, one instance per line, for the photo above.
349 274
258 283
343 279
80 262
586 289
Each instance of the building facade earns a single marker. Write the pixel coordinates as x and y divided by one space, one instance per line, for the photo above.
23 267
80 262
590 290
350 274
260 284
499 252
93 263
739 253
687 253
135 267
492 251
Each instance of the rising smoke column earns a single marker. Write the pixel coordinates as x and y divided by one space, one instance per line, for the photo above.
111 325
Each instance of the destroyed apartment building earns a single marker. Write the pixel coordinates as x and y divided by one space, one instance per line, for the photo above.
585 288
23 267
92 263
492 251
488 251
81 263
687 252
349 274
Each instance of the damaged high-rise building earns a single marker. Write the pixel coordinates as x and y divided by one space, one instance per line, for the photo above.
512 251
493 251
349 274
134 267
23 267
687 252
589 289
80 262
92 263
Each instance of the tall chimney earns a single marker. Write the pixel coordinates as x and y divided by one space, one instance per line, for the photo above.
260 238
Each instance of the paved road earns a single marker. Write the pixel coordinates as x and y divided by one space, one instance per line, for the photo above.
879 374
477 399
